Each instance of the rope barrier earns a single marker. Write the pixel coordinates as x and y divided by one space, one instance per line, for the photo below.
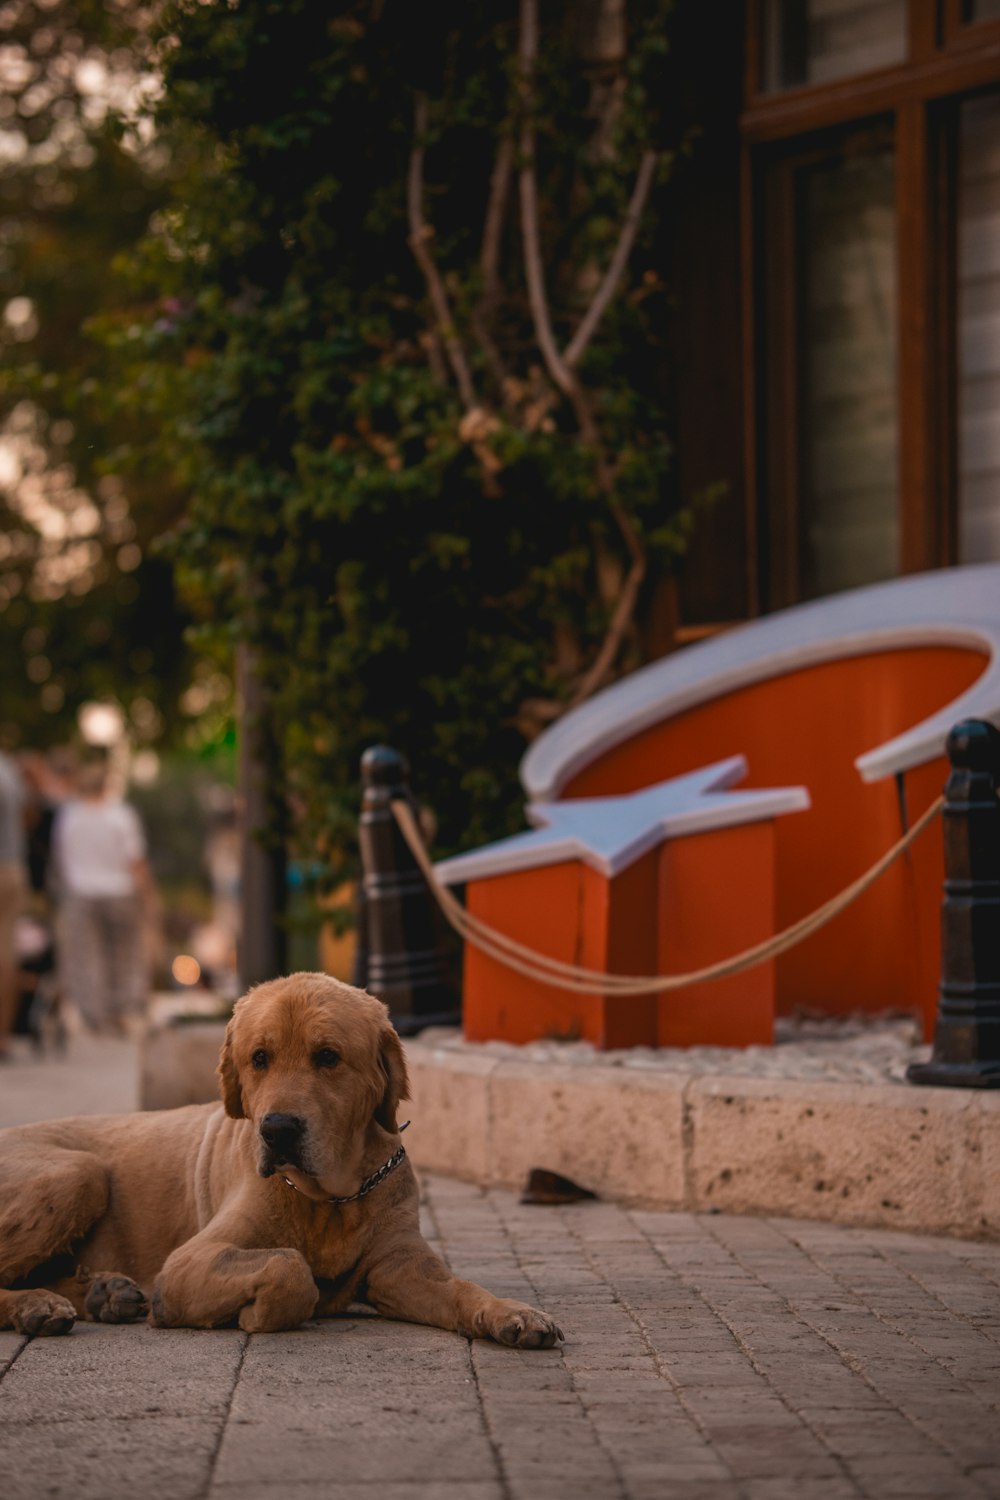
552 971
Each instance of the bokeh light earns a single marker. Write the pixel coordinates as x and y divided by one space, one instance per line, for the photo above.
186 969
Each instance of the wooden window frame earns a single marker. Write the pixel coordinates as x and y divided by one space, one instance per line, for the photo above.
958 31
949 60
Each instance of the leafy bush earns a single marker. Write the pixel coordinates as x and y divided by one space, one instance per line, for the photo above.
434 509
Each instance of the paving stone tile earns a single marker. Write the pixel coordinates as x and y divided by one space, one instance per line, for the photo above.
550 1452
691 1472
790 1487
108 1459
667 1487
10 1347
337 1489
357 1446
900 1477
531 1486
99 1372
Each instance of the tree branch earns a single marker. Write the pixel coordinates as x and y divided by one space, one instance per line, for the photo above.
528 189
489 265
616 266
557 364
496 207
624 609
617 629
419 242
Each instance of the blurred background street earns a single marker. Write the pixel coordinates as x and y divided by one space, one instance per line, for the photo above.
94 1075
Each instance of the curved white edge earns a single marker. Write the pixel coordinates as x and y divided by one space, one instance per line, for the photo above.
532 851
505 858
949 607
720 776
926 740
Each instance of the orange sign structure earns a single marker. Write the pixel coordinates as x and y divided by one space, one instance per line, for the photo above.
851 698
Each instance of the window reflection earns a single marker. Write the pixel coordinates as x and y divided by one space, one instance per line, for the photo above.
814 41
982 10
979 332
849 511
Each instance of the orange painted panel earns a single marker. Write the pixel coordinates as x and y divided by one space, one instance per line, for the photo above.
716 899
567 911
806 728
629 947
540 908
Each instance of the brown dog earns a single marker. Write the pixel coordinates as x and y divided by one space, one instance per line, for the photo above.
290 1200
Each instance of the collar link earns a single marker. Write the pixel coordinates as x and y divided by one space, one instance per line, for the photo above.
373 1180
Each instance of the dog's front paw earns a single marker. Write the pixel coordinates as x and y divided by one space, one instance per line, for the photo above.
40 1314
285 1294
522 1327
115 1299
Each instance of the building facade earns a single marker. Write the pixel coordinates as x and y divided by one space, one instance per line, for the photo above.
837 263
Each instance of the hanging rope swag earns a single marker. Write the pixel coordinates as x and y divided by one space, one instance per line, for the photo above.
553 971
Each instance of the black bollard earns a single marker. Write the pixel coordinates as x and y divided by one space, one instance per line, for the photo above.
966 1052
406 962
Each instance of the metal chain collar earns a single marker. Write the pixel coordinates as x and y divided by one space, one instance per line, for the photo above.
370 1182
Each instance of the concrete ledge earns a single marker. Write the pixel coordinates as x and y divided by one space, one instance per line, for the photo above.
882 1154
871 1152
177 1062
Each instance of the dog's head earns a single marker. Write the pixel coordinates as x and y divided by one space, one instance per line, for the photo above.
319 1070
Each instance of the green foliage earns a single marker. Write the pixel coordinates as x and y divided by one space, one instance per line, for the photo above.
408 570
85 612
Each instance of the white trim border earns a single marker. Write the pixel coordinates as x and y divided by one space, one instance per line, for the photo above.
948 607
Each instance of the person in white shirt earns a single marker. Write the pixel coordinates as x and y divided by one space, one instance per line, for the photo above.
104 888
13 884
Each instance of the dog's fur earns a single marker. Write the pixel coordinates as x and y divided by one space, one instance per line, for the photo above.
186 1214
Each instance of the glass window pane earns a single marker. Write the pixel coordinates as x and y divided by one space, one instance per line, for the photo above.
849 510
979 332
814 41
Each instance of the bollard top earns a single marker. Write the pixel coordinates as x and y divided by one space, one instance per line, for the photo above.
383 766
974 745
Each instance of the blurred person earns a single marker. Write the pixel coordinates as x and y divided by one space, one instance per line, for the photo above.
13 885
104 890
50 780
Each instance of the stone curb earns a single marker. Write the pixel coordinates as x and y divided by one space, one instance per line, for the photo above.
880 1154
883 1155
177 1063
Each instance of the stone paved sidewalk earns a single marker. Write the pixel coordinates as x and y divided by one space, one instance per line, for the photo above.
707 1357
93 1075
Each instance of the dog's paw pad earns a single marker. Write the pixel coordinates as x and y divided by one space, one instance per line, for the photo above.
44 1315
115 1299
529 1330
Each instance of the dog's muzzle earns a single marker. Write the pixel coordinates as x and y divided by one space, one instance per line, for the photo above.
283 1137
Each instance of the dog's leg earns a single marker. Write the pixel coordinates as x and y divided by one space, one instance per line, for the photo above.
211 1281
408 1281
47 1201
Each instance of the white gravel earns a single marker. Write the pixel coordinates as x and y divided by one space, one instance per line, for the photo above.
859 1048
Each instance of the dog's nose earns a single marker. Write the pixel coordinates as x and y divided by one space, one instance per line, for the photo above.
283 1133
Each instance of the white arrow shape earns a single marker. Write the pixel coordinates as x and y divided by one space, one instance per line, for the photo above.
610 833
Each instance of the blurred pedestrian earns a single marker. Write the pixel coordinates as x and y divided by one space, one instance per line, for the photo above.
104 890
13 884
49 781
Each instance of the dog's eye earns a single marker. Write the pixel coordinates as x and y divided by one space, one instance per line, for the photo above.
259 1058
326 1058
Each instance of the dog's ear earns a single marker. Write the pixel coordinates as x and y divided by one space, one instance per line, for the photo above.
397 1085
229 1078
